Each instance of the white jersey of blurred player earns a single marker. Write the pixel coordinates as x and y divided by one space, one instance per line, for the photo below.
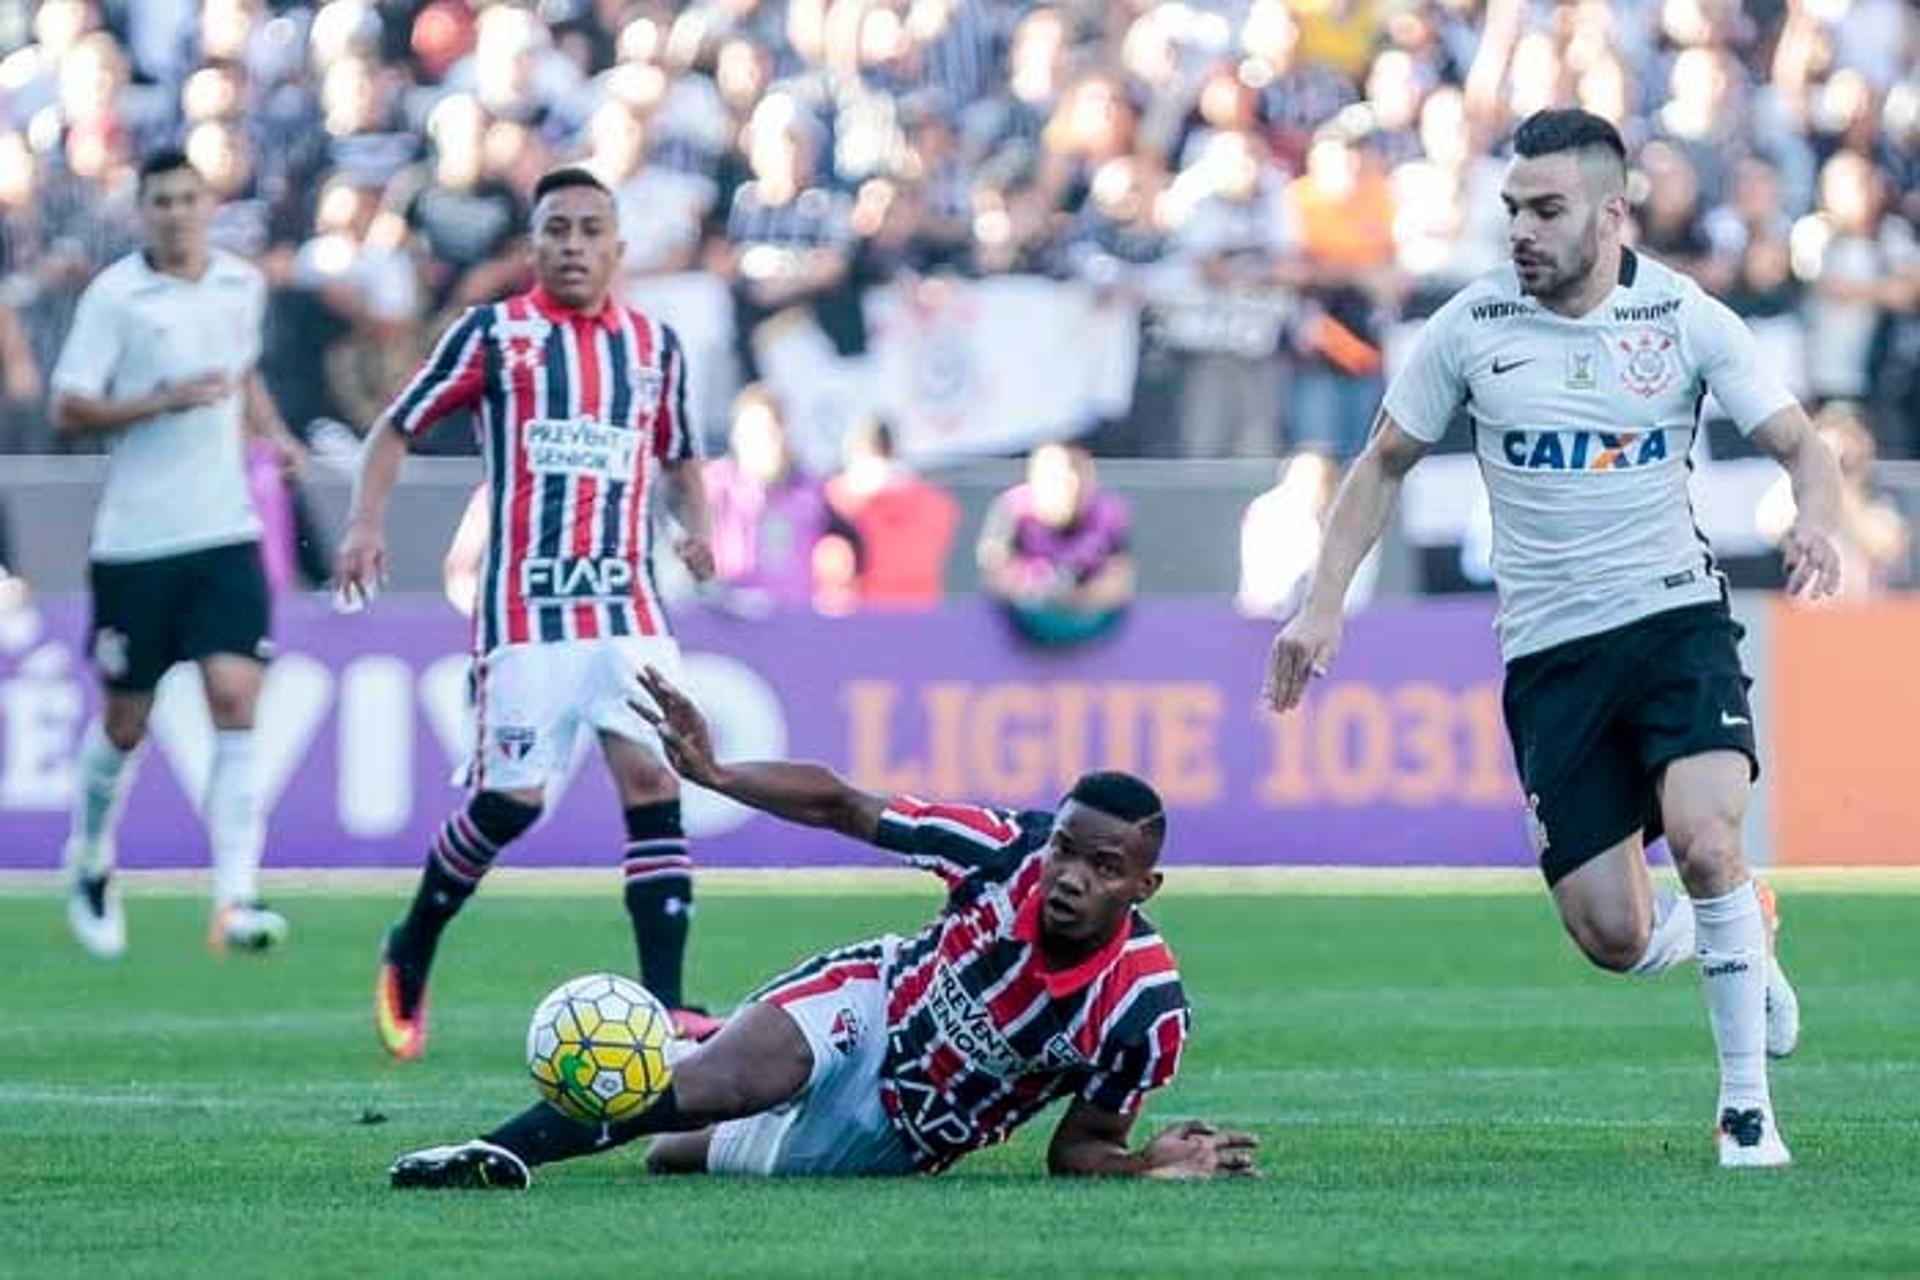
160 361
1582 367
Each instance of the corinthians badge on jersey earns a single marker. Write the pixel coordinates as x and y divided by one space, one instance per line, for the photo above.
1648 361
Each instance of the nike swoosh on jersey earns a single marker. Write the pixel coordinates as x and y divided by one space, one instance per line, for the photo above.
1509 367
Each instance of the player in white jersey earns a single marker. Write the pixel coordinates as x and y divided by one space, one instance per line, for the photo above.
161 360
1582 367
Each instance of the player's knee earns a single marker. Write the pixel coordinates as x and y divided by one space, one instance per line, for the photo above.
1613 942
645 780
125 733
503 817
231 708
1706 842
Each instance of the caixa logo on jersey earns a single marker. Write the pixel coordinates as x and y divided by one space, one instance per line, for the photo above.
577 578
1582 450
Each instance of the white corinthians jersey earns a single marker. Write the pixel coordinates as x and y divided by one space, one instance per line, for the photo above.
1583 428
176 482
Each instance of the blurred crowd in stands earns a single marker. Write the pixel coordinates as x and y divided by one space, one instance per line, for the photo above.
1276 187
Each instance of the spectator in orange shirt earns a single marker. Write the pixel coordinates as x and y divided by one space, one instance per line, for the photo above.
905 524
1343 211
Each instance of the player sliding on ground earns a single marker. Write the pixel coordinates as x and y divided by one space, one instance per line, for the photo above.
1583 366
1039 979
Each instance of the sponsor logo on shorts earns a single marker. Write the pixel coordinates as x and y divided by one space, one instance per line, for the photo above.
110 652
1725 969
515 742
1730 721
1536 828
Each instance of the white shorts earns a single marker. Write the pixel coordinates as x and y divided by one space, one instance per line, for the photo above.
836 1126
532 701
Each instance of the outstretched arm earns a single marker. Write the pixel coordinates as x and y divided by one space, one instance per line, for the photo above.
362 562
1813 562
810 794
1092 1142
1307 644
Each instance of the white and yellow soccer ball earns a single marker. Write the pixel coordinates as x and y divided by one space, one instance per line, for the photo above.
597 1048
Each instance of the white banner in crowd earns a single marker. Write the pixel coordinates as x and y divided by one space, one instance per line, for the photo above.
960 368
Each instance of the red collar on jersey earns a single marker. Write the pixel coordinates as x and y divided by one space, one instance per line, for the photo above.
1064 982
608 317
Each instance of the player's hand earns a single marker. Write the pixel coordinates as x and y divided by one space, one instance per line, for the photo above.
697 554
1813 562
1198 1150
683 730
198 393
1304 648
360 570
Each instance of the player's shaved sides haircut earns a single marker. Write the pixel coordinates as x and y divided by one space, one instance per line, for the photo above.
1123 796
1591 137
560 179
165 160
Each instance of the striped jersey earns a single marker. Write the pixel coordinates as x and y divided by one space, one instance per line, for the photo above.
574 414
981 1034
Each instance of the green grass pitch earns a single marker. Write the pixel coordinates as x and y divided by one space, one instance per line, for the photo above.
1439 1086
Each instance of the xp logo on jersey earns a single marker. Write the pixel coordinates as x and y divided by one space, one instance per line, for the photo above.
577 578
1582 450
1647 365
515 741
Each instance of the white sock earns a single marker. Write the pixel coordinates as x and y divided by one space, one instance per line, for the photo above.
1733 966
106 775
234 824
1671 942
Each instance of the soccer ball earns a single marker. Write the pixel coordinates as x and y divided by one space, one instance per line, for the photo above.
597 1048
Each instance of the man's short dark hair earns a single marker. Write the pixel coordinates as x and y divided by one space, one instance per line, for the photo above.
560 179
165 160
1123 796
1546 133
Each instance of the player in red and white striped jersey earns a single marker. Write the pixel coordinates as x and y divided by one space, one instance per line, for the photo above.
1039 979
579 404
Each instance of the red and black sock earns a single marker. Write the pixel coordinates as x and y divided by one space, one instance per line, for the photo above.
462 851
659 893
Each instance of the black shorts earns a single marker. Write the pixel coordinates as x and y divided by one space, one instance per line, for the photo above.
1595 721
150 614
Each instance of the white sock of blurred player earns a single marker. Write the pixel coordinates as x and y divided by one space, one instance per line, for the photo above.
106 775
93 907
237 830
1733 966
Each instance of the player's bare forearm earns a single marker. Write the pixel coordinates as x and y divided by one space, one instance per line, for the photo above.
809 794
687 495
1791 440
1812 558
79 415
1360 513
262 416
1091 1142
380 459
